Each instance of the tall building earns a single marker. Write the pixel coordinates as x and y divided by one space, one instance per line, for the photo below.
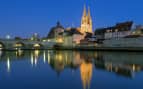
86 22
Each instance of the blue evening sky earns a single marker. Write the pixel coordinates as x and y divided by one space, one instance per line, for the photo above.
25 17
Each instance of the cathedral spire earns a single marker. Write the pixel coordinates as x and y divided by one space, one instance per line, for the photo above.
89 15
84 11
86 21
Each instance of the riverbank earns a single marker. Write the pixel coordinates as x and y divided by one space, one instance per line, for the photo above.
86 48
102 48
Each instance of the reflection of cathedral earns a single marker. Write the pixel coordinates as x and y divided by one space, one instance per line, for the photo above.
86 73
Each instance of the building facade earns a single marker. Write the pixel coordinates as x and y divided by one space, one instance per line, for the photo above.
55 33
118 31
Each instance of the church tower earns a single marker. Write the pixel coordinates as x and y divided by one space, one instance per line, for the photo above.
86 22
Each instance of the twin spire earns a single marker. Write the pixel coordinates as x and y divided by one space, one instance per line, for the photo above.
86 21
84 12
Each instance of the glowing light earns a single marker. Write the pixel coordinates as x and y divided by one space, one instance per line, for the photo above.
32 59
134 67
35 62
48 57
86 74
18 45
59 57
44 40
44 57
8 37
60 40
36 45
19 53
1 46
8 64
36 55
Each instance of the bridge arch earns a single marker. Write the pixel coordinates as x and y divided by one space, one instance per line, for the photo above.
2 46
19 45
37 46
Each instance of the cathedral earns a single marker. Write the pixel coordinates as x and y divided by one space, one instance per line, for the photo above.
86 22
72 36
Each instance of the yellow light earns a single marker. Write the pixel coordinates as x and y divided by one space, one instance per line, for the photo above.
36 53
18 45
44 57
59 57
1 46
60 40
49 57
32 62
36 45
134 67
44 40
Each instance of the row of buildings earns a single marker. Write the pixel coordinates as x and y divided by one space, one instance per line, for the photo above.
84 35
120 34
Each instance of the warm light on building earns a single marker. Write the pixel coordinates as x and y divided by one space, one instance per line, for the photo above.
18 45
1 46
59 40
86 22
37 46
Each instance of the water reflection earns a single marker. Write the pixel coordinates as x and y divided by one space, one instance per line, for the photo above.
8 65
86 73
34 57
122 64
1 53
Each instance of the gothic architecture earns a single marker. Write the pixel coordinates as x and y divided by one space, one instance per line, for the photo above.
86 22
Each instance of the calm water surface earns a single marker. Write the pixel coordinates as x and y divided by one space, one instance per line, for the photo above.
70 70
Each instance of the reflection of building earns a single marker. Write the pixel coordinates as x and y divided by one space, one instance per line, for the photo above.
1 52
60 60
86 73
124 65
34 57
19 53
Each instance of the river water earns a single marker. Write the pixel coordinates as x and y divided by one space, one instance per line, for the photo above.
49 69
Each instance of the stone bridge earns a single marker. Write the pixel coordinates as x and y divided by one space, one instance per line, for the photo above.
11 44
